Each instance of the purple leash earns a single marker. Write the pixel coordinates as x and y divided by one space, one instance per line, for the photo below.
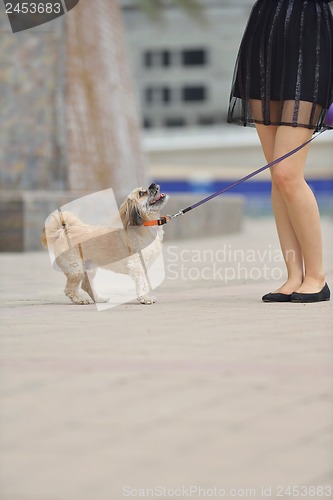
328 125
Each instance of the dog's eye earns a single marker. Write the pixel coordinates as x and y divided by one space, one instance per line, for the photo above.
142 193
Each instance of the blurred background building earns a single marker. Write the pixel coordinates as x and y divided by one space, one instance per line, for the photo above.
183 64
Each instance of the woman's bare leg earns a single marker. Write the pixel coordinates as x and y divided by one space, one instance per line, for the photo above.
290 246
300 204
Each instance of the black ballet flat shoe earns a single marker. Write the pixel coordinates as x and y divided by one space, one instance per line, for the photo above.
324 294
276 297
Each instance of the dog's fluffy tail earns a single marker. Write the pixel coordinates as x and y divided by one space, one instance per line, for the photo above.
57 227
65 231
43 239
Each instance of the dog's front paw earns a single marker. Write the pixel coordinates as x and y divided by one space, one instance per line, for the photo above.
80 301
146 300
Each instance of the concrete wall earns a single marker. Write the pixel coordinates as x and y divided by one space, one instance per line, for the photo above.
225 153
32 101
215 218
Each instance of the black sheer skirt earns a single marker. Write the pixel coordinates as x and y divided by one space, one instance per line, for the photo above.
284 68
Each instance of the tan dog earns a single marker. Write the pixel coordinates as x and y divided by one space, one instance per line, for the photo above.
127 247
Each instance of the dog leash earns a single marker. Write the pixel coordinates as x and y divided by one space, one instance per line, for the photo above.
167 218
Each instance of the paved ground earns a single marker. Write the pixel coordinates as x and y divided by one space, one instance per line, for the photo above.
208 388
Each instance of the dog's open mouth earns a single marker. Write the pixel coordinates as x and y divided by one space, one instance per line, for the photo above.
157 198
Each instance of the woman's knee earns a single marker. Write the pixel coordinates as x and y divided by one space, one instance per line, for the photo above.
285 180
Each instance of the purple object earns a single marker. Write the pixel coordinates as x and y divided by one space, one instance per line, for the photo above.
329 117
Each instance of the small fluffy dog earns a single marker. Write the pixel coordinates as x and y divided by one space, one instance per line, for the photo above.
128 247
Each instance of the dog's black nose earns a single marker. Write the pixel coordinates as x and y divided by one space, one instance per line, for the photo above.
153 186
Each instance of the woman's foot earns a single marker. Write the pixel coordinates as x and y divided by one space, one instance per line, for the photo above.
283 294
276 297
323 295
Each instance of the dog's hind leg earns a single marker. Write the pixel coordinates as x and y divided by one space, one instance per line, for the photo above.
88 286
72 288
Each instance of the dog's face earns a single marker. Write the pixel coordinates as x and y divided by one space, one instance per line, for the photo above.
150 199
143 204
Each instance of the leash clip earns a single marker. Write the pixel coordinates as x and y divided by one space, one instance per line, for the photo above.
176 215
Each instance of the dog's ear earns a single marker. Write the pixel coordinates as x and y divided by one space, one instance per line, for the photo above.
135 215
130 213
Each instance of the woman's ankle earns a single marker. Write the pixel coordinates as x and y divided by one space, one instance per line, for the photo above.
312 284
290 285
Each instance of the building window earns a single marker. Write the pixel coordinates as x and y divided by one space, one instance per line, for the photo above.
148 59
194 94
194 57
175 122
166 58
157 95
157 58
147 123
